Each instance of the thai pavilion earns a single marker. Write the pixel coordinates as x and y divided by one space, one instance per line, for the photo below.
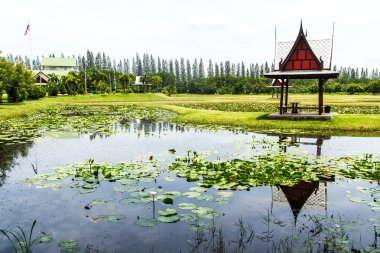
302 59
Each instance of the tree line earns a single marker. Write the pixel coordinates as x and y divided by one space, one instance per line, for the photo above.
98 73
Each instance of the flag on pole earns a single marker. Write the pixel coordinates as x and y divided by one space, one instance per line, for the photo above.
27 29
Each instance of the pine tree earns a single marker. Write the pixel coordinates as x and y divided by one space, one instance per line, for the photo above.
159 66
152 65
227 69
195 69
104 61
201 69
120 67
177 70
146 64
266 68
90 60
217 74
165 68
222 73
188 71
257 70
98 61
171 67
262 69
243 71
210 69
183 70
238 70
134 67
109 66
139 66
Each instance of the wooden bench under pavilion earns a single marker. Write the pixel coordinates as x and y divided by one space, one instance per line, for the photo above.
298 60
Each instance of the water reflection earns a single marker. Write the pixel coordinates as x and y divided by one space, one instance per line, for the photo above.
9 152
286 141
303 194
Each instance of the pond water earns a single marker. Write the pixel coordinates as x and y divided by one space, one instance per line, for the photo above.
332 214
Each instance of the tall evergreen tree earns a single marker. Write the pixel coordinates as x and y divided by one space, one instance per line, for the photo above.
153 68
134 67
201 69
90 59
159 66
104 61
227 69
243 70
165 67
195 69
210 69
98 61
238 70
171 67
221 68
183 70
188 71
217 74
177 70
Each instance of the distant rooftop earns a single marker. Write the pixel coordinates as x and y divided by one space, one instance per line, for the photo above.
58 62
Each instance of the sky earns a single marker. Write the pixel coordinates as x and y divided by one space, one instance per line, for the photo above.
240 30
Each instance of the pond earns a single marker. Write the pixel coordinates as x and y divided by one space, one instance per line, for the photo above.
145 185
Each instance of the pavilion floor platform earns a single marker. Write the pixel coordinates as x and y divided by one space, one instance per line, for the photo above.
301 115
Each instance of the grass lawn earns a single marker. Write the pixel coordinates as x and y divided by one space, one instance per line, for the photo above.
344 124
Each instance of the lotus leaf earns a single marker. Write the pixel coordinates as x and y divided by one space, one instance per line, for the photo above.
167 212
187 206
69 246
168 219
146 222
113 218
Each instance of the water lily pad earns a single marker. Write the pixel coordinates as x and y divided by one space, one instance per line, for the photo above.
168 219
198 189
225 194
358 200
223 201
187 206
85 191
113 218
101 201
168 201
167 212
43 239
127 201
169 179
205 212
192 194
188 217
146 222
172 194
68 246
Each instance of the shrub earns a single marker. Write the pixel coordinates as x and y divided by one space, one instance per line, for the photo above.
354 88
36 92
374 86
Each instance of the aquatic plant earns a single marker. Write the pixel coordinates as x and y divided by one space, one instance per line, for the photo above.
21 242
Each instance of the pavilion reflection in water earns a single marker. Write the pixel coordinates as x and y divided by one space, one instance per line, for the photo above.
301 195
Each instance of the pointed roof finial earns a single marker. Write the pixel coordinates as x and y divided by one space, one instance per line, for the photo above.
301 29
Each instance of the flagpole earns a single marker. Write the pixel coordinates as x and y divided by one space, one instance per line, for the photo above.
30 43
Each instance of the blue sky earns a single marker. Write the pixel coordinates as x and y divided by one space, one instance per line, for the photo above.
241 30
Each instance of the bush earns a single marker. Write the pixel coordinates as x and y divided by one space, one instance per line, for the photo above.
354 88
314 88
36 92
374 86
